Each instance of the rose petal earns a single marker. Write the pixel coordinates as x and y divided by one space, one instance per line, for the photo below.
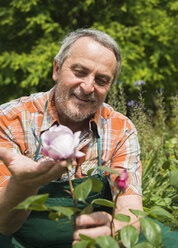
59 142
76 138
79 154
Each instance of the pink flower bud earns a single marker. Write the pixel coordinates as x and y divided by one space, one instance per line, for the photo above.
59 142
121 181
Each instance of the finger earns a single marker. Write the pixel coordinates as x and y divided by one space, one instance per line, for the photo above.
52 169
74 162
93 219
6 156
93 232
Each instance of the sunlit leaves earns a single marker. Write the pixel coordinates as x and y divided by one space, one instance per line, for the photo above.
106 242
82 190
103 202
152 231
87 210
173 176
129 236
144 245
107 169
101 242
81 244
157 210
66 211
33 202
97 185
145 30
122 217
138 213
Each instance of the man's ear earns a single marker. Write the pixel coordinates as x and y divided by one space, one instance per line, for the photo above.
55 70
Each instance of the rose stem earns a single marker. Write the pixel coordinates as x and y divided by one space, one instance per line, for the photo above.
73 197
113 214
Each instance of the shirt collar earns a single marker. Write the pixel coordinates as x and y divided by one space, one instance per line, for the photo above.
51 107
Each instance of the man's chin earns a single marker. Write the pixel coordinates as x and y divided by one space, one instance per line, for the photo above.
80 116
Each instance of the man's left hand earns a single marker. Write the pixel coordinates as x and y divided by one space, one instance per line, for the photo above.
93 225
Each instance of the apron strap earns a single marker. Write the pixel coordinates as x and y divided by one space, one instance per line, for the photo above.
39 142
99 156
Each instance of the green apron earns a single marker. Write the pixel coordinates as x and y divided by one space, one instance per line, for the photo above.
39 231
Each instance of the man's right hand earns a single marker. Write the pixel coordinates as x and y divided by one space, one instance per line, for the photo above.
26 178
27 172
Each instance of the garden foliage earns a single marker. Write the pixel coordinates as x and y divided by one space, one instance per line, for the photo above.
158 138
31 32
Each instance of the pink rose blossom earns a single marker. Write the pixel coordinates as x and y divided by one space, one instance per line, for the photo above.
122 181
59 142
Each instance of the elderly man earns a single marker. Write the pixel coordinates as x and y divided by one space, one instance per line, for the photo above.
84 69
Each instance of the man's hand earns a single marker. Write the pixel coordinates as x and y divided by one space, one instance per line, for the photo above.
93 225
26 179
98 223
29 173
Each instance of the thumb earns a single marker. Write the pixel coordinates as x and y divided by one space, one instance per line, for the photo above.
6 155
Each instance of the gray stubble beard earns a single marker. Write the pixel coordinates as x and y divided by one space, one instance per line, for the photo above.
75 117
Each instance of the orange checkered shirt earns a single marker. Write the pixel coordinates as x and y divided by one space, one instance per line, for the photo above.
21 124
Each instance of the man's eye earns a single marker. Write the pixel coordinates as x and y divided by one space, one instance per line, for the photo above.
79 73
101 81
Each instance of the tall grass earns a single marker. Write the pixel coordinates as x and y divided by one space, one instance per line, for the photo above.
158 136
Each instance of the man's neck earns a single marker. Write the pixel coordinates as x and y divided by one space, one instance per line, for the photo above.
73 125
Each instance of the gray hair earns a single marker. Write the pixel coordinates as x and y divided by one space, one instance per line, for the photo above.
103 38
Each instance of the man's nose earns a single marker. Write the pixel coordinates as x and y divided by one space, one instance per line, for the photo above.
88 85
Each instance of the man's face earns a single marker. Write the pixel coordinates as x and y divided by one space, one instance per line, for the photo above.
84 79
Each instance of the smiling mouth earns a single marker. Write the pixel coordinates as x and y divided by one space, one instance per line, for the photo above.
83 99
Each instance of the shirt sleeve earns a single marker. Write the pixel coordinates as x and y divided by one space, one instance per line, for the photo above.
6 141
127 156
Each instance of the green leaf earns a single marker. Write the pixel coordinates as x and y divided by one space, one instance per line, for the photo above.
144 245
103 202
90 240
38 207
55 216
87 210
106 242
89 172
148 167
85 237
82 190
166 165
97 185
161 212
81 244
151 231
138 213
35 201
67 211
108 170
122 217
129 236
173 178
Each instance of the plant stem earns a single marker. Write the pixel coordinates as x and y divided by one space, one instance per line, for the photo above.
73 197
113 214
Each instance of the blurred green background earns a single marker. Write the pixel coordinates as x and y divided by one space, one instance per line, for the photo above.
31 32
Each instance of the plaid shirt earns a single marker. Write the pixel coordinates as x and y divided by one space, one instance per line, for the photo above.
21 125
